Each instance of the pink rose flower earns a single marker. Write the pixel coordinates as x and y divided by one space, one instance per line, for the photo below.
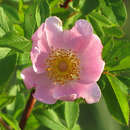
65 64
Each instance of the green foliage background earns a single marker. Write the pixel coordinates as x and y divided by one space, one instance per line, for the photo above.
18 21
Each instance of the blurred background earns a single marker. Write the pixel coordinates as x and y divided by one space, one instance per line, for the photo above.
97 116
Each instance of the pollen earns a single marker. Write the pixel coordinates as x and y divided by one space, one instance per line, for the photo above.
63 66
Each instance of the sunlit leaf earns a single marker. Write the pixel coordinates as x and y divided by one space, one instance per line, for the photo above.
5 99
32 123
16 42
71 113
115 11
96 26
4 20
113 31
114 104
30 21
10 120
121 93
115 51
104 21
124 64
49 119
11 12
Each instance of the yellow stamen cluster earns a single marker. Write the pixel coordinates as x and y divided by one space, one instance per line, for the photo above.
62 66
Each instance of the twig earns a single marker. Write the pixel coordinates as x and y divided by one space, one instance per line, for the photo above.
65 4
27 111
108 73
4 124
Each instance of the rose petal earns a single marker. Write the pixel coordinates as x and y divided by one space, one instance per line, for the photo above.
53 28
73 42
34 52
66 92
38 58
82 27
39 64
32 79
92 64
67 39
43 93
43 45
39 38
29 77
90 92
70 97
40 81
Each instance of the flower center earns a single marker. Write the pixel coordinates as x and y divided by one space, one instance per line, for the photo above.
62 66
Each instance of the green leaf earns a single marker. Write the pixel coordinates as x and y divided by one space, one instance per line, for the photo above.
119 49
62 13
44 9
104 21
10 120
4 20
38 16
124 64
125 79
4 52
2 32
7 68
49 119
102 25
5 99
119 11
21 11
107 49
11 12
53 106
19 105
97 28
113 31
16 42
115 11
121 93
71 20
86 6
111 100
53 4
32 123
18 29
24 59
71 114
30 21
76 3
76 127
